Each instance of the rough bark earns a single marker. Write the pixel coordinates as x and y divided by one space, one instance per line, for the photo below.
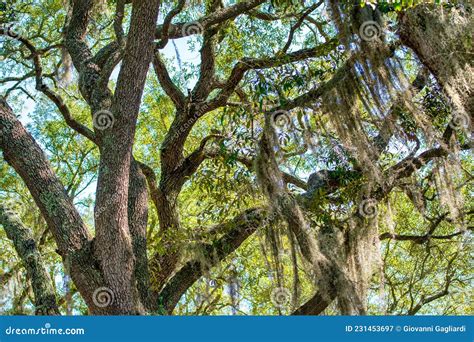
122 203
235 231
71 235
26 247
115 250
137 220
315 305
179 30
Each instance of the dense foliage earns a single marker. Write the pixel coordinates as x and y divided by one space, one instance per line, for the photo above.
349 152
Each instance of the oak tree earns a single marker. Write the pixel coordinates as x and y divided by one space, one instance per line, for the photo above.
290 157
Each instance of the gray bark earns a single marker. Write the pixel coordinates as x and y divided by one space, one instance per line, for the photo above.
26 247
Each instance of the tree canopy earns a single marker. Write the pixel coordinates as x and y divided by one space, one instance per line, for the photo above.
243 157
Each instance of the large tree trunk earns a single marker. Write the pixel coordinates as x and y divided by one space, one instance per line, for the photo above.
112 223
117 259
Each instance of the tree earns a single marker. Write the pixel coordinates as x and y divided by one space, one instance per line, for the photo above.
215 152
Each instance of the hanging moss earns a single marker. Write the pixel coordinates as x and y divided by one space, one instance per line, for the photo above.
372 95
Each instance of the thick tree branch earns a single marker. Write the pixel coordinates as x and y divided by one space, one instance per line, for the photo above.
92 82
113 235
179 30
54 97
287 178
418 239
25 246
76 33
410 164
207 68
166 82
22 152
137 221
236 232
314 306
118 21
298 24
167 22
247 64
70 233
